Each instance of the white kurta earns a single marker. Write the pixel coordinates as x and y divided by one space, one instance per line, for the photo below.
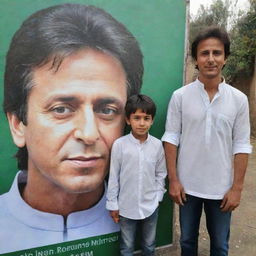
208 134
22 227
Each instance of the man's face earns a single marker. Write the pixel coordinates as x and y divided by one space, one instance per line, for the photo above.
74 116
210 58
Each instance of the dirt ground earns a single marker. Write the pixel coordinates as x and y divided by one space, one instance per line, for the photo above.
243 227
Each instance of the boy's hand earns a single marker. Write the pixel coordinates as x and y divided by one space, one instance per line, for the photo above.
115 216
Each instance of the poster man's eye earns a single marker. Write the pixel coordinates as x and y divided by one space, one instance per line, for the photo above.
62 111
107 112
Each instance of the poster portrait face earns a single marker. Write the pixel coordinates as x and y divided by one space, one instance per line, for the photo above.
73 116
69 71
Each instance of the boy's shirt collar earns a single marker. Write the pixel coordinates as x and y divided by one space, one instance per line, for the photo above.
138 141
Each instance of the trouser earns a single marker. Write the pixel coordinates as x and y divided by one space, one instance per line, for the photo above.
148 233
217 222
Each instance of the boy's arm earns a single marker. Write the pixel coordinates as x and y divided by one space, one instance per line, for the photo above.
113 181
161 174
115 216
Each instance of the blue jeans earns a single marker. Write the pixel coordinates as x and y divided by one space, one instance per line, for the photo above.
148 233
217 222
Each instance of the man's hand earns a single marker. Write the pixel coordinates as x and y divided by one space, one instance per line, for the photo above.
176 192
231 200
115 216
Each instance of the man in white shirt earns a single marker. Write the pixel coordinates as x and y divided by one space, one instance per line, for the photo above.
207 142
137 178
66 78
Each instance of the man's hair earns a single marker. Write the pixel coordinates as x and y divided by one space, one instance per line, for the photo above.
140 101
54 33
215 32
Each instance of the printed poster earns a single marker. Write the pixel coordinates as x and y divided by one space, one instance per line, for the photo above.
159 29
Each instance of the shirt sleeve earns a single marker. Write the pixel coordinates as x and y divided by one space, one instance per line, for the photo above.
161 173
241 130
173 121
113 181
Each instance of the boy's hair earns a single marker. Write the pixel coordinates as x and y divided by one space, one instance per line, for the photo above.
140 101
215 32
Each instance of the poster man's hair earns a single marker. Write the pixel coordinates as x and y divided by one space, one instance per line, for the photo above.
54 33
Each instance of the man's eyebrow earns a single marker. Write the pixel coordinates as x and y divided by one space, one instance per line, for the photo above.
61 98
64 98
109 100
98 101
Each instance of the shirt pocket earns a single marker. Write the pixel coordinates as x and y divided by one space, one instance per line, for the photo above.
224 123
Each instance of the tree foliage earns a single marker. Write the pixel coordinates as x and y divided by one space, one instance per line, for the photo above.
242 31
215 14
243 46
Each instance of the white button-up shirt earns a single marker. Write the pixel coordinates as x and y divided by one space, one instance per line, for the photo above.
137 176
208 135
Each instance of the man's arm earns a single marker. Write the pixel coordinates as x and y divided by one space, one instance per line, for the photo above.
171 140
232 198
176 190
241 149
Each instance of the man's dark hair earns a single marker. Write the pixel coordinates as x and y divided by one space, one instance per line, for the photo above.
54 33
215 32
140 101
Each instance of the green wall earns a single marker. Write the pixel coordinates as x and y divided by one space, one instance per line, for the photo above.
158 25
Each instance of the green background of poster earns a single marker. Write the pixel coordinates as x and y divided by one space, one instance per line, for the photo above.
158 25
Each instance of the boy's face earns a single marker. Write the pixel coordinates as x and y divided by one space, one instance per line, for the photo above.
140 123
74 115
